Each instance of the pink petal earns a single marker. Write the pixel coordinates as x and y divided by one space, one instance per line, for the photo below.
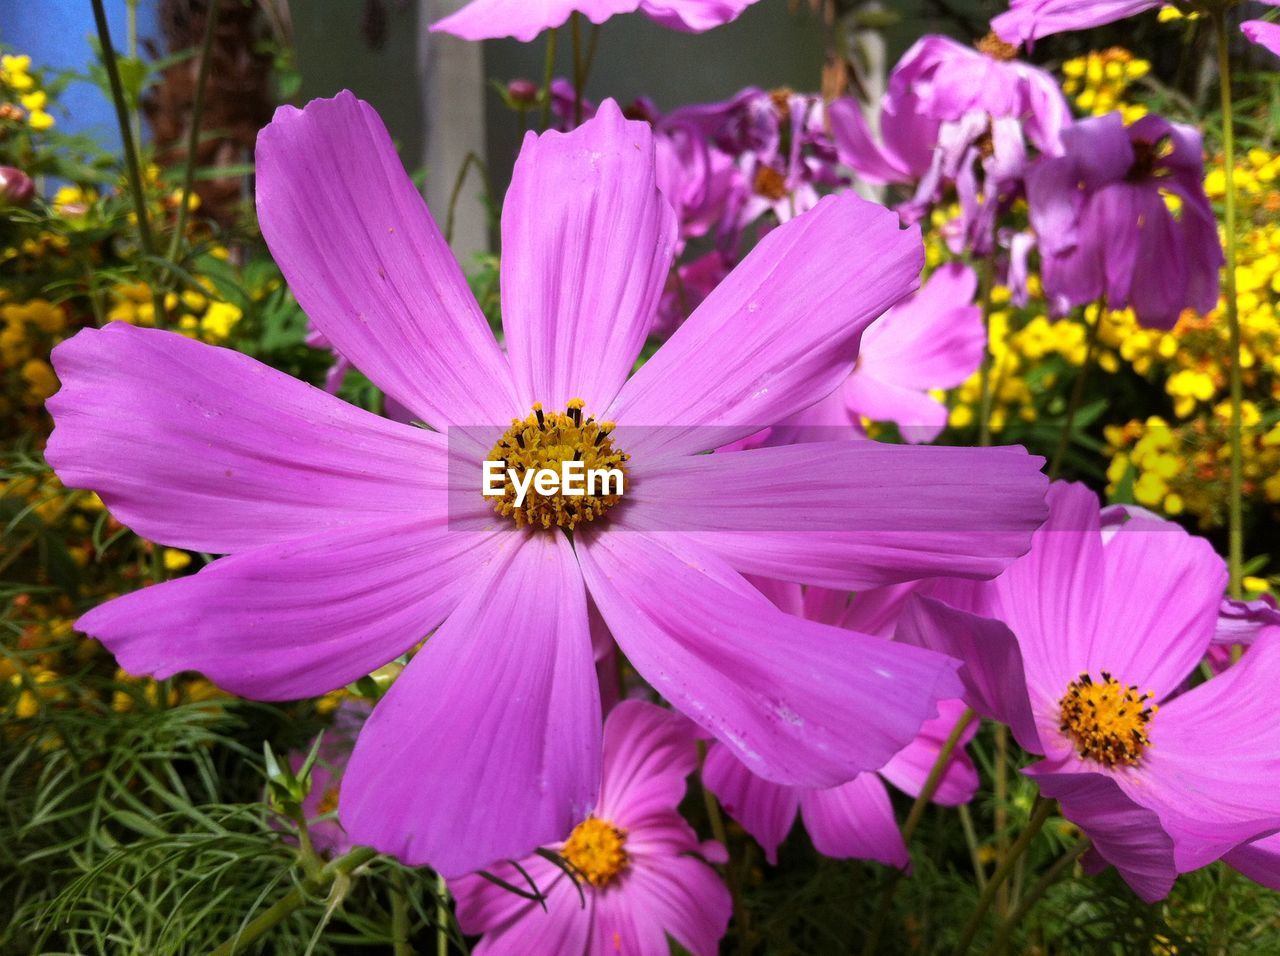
910 767
693 16
1259 861
368 265
677 895
858 149
778 334
204 448
587 242
498 710
849 514
1032 19
993 674
780 691
764 809
919 417
298 618
515 926
1263 33
649 752
855 821
524 19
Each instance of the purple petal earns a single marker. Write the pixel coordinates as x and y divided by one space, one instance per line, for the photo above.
677 895
204 448
909 769
1263 33
765 809
693 16
855 821
1259 861
499 709
368 265
1028 20
858 148
587 241
778 334
298 618
780 691
1243 622
849 514
919 417
649 752
515 926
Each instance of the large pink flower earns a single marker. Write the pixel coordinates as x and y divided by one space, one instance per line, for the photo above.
525 19
351 537
639 873
1082 647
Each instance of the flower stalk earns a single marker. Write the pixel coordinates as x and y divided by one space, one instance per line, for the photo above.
193 135
1041 886
1077 390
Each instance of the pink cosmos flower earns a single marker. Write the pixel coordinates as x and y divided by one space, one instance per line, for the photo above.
351 538
1264 33
1086 671
525 19
1105 228
854 820
640 875
1028 20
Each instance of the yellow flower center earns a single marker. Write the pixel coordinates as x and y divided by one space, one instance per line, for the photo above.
597 850
545 442
1106 720
328 801
992 46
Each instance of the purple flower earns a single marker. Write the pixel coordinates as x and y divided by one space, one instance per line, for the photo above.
1028 20
1104 223
854 820
525 19
1086 669
640 867
352 537
16 187
1263 33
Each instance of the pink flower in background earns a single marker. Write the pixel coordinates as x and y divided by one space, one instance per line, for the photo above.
1083 647
640 867
1105 228
1028 20
1263 33
351 538
855 819
525 19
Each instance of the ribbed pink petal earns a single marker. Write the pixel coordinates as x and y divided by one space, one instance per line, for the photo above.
778 334
587 242
780 691
919 417
858 149
764 809
855 821
369 267
677 895
910 767
204 448
649 752
499 709
1028 20
1258 860
298 618
515 926
850 514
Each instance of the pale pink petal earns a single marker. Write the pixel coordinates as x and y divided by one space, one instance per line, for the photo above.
780 691
778 334
764 809
1028 20
1263 33
858 149
693 16
677 895
204 448
919 417
649 752
369 267
909 769
515 926
524 19
298 618
849 514
582 275
855 821
499 709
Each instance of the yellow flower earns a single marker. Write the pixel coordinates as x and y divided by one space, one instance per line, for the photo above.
175 560
40 120
219 319
39 377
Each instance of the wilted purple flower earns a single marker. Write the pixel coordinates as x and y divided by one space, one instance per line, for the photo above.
351 537
1089 673
525 19
1105 225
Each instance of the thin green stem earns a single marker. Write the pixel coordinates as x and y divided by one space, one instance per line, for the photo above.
988 280
971 840
193 135
548 74
442 917
575 29
1043 810
1077 390
399 917
914 816
133 166
282 908
1038 889
1235 506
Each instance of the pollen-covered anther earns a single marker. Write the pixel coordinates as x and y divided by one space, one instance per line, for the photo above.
1106 720
546 441
596 849
992 46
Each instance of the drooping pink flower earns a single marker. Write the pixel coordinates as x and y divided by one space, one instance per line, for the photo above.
351 537
1105 227
641 870
1082 648
525 19
1264 33
854 820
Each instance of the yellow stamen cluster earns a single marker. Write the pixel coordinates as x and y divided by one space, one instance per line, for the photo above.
597 850
992 46
545 440
1106 720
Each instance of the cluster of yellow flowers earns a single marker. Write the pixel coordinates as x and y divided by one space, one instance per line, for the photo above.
28 331
197 315
1098 82
24 100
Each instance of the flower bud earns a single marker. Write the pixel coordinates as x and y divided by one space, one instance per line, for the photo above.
16 187
522 92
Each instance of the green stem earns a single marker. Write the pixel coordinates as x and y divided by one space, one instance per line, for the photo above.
988 280
297 897
1041 813
914 816
133 167
399 917
730 874
971 840
1077 390
1235 512
548 74
575 28
1041 886
193 137
442 917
